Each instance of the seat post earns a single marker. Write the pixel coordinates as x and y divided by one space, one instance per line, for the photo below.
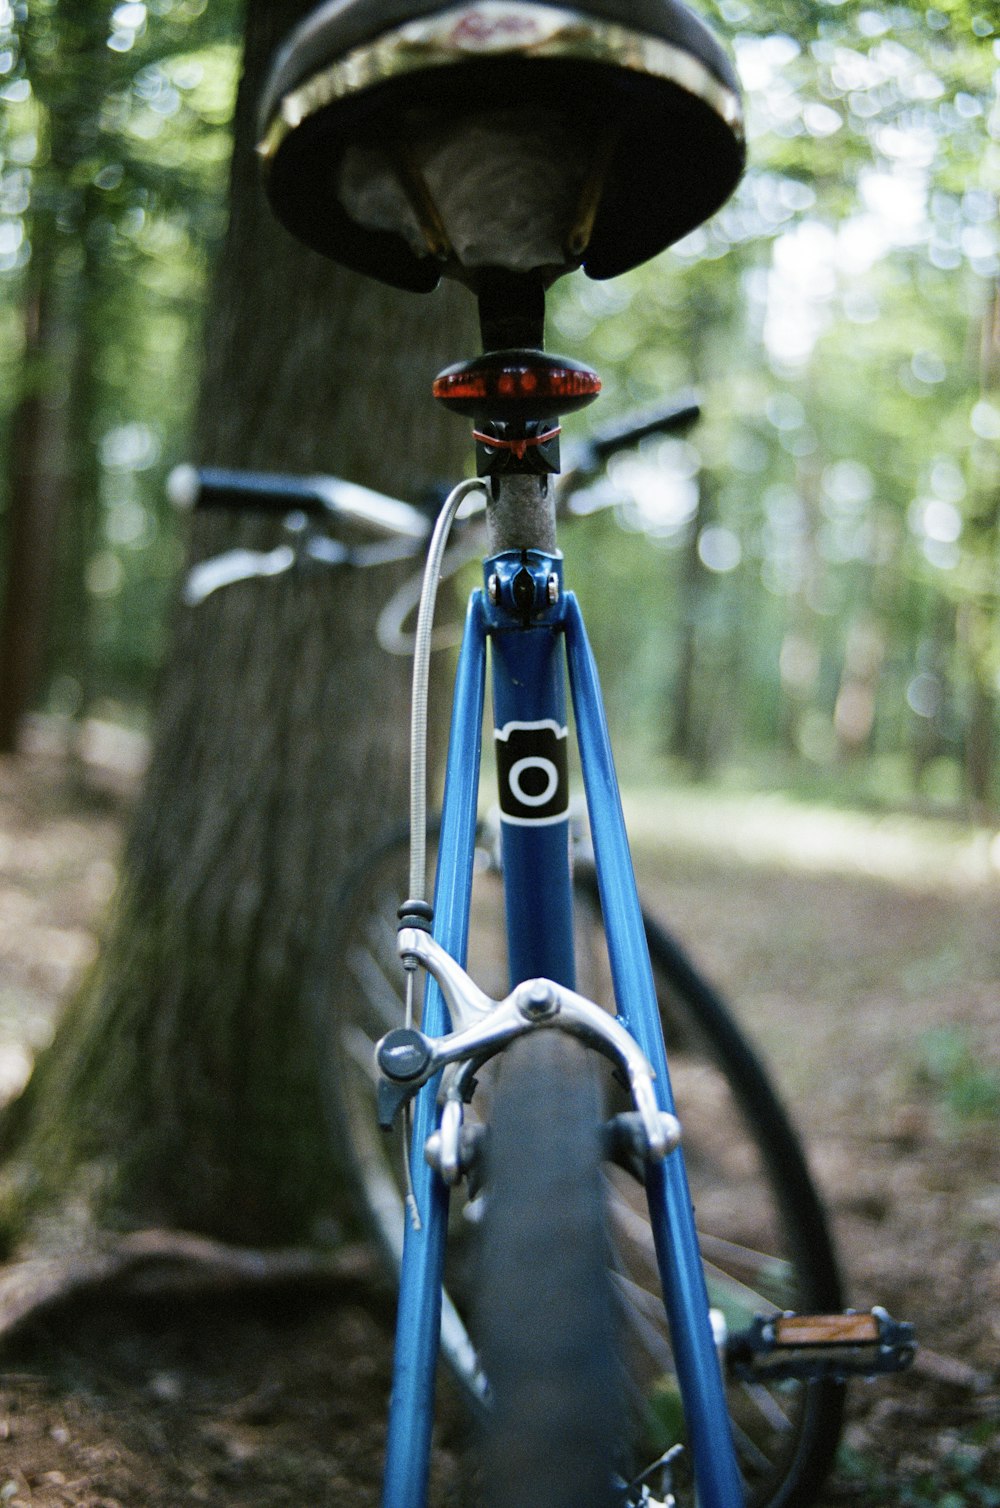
521 515
511 309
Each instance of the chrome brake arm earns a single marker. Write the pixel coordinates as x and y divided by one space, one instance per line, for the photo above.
584 1019
466 1002
482 1025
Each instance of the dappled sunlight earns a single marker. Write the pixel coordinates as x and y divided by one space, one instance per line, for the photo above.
774 830
57 871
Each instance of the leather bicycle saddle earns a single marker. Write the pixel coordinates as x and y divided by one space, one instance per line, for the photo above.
410 138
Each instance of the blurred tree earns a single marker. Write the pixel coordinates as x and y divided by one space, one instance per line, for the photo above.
181 1087
66 60
88 176
978 621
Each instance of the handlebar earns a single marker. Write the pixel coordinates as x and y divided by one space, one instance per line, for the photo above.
329 497
591 455
193 487
401 530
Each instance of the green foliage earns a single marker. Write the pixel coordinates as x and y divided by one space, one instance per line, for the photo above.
959 1472
950 1066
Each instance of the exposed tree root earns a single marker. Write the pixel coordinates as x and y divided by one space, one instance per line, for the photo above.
156 1262
153 1262
949 1372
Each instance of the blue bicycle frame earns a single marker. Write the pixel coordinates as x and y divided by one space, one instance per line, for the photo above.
532 658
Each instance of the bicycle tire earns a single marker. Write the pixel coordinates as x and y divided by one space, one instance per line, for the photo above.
764 1235
544 1308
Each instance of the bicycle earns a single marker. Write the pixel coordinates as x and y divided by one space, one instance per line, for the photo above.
552 1104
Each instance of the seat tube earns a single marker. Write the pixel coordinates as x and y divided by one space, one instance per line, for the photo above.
418 1321
670 1209
528 667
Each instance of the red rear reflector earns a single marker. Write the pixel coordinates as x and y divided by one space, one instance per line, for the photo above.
512 383
471 387
502 381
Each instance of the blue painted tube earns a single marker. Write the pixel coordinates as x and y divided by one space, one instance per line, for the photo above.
529 709
671 1213
418 1320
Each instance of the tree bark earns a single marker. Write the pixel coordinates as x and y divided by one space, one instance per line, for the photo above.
51 467
35 491
686 738
181 1088
978 627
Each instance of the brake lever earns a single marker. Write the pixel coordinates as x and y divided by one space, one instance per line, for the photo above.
587 459
211 575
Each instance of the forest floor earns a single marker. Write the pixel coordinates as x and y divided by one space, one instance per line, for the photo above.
865 958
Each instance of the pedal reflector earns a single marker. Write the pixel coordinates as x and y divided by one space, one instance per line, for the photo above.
810 1346
826 1330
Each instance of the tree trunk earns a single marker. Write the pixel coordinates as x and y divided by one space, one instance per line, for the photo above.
980 750
181 1088
689 732
51 460
35 491
978 623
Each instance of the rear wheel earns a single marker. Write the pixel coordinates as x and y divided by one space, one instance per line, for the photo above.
763 1234
544 1305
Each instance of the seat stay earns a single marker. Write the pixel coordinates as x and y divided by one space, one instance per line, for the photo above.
671 1215
411 1411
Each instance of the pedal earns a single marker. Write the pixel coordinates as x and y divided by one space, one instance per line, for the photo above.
811 1346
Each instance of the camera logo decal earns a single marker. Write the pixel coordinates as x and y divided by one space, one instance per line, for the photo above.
533 772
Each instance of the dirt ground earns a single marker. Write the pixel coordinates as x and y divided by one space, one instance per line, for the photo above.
877 1003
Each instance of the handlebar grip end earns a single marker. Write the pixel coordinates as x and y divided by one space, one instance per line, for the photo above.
184 487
